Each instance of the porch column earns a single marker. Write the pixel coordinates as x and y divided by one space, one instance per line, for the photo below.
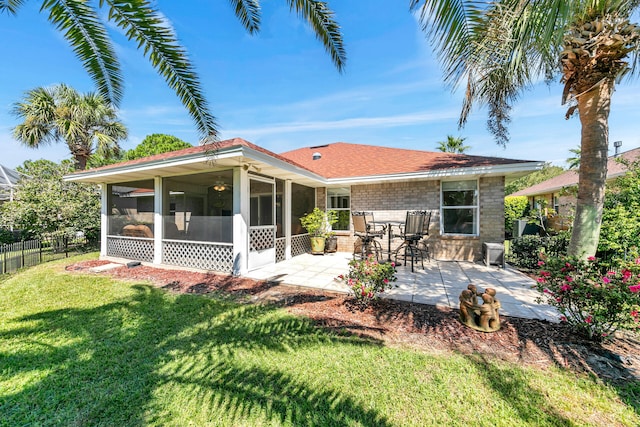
158 225
104 217
240 221
286 209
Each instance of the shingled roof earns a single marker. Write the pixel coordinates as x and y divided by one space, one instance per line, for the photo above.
334 162
344 160
570 177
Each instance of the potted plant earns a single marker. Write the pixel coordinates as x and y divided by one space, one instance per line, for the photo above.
331 243
318 224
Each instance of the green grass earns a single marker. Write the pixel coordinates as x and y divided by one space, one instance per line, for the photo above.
88 350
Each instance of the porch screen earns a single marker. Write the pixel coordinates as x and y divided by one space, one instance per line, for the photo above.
199 207
460 207
131 204
303 200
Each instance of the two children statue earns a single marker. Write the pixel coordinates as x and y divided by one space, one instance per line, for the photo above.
481 317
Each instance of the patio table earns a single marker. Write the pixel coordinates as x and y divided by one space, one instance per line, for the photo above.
388 224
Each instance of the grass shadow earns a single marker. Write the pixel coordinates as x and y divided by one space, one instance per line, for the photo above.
110 360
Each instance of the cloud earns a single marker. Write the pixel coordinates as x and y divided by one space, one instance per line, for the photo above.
352 123
174 115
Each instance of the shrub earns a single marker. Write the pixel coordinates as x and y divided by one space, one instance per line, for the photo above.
515 207
595 301
367 278
6 236
524 250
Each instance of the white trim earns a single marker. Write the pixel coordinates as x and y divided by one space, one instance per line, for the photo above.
104 217
240 221
199 242
158 222
453 173
287 218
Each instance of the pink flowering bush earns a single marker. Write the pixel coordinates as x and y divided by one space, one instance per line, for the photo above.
367 278
596 301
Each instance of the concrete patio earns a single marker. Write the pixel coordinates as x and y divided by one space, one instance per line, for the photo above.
439 283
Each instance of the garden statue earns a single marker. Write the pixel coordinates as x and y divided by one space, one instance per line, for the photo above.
481 317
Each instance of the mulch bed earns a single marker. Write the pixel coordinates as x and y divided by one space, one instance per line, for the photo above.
396 323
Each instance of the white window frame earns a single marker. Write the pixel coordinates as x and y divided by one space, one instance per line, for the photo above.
476 208
339 209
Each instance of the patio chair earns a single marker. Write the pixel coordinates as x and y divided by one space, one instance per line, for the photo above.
416 226
366 233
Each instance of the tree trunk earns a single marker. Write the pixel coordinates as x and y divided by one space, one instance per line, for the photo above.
80 156
593 107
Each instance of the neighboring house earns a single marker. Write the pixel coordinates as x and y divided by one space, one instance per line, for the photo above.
237 208
559 193
8 181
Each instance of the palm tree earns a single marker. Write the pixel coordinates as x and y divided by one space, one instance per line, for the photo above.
453 145
88 123
500 49
574 162
83 24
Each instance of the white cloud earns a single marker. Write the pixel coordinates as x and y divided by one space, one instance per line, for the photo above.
353 123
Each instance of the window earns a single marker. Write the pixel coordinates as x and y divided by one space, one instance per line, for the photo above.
460 207
339 200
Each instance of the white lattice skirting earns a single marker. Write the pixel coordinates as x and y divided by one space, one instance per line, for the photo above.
136 248
300 244
281 244
261 238
205 256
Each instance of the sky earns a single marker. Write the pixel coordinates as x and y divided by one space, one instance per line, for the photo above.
280 90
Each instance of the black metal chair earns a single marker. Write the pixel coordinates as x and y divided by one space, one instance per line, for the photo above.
416 226
366 233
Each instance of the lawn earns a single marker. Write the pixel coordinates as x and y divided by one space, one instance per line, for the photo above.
89 350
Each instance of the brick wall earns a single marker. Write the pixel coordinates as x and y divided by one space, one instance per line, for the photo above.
390 201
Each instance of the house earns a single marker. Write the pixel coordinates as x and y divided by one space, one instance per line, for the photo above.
235 207
559 192
8 181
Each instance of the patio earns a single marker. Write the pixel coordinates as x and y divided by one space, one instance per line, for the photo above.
439 283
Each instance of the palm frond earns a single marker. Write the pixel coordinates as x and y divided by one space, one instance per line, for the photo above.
320 17
88 37
145 25
10 6
497 49
248 12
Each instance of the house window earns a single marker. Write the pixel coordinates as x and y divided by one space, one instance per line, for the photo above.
339 200
459 210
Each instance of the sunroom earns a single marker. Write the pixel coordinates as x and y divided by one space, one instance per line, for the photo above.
232 211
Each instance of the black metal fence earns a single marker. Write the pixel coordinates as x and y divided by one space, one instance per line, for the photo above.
27 253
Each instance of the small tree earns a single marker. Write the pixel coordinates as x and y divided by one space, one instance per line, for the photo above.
620 222
44 203
515 207
453 145
156 143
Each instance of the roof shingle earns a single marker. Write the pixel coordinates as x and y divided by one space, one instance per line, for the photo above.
345 160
